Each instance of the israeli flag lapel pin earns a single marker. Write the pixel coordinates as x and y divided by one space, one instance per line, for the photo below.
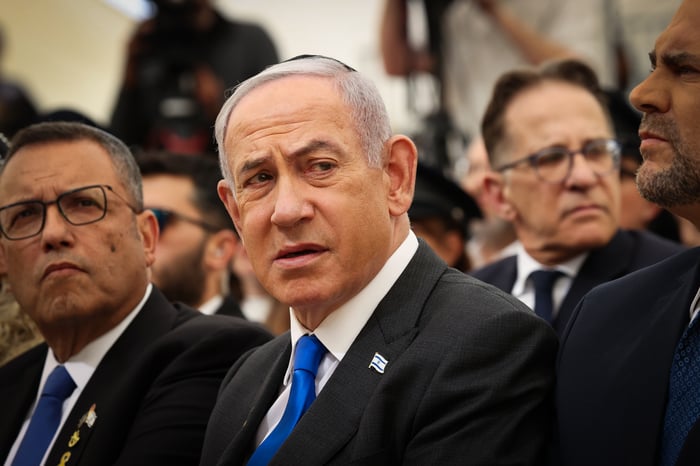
378 363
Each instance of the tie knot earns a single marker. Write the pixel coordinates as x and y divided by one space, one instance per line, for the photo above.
59 385
543 280
309 353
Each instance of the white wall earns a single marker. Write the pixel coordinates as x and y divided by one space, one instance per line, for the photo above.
71 52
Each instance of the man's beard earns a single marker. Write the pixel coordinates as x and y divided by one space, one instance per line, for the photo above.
679 184
184 279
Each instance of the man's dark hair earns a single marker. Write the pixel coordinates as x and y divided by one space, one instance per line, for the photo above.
204 172
61 131
512 84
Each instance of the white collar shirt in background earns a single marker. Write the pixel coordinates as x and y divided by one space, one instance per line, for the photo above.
524 289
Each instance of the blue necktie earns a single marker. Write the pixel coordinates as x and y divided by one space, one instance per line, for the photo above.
544 282
46 418
683 395
309 353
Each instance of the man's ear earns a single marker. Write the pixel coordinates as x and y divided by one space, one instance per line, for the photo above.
148 230
495 194
229 200
220 249
400 173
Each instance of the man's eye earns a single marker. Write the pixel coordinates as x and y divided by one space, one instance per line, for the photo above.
322 166
551 158
258 178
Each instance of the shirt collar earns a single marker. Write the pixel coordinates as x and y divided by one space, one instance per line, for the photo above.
526 264
209 307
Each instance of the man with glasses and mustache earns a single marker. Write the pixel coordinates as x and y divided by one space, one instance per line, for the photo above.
196 240
629 361
124 377
556 178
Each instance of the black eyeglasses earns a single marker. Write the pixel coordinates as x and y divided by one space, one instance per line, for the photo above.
79 206
554 164
164 217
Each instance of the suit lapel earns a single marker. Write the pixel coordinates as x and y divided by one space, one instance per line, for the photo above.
601 265
335 416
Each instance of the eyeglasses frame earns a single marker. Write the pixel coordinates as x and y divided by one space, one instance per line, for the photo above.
46 204
531 159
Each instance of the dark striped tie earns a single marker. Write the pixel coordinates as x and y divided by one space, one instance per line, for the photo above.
543 281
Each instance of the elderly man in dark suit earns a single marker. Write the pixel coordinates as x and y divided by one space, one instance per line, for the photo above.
555 176
401 359
124 377
629 365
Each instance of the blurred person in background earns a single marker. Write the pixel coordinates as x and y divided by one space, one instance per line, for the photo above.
17 331
178 66
492 237
441 213
256 303
197 240
17 108
472 42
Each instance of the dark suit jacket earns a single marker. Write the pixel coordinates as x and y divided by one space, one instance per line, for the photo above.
468 381
230 307
626 252
153 391
614 366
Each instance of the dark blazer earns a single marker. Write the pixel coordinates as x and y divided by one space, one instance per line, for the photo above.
614 366
152 392
626 252
468 381
230 307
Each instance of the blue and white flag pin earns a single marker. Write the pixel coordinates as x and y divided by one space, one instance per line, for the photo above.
378 363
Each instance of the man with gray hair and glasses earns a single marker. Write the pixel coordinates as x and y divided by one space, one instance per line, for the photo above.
125 377
555 176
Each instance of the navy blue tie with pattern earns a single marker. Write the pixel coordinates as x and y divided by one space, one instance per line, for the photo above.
683 405
46 418
309 353
543 281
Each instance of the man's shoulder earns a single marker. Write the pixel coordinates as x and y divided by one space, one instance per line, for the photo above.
33 357
192 324
495 267
166 332
650 246
649 278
